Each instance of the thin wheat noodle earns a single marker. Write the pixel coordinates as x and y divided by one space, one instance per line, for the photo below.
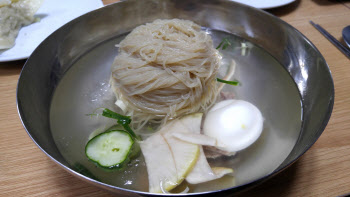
165 69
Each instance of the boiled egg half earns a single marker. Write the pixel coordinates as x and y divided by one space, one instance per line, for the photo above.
236 124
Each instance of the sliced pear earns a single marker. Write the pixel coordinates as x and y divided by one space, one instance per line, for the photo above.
168 159
221 171
194 138
160 164
185 154
192 122
202 172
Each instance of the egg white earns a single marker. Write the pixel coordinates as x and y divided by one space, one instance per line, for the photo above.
236 124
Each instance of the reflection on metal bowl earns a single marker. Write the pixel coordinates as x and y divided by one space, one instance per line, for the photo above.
282 73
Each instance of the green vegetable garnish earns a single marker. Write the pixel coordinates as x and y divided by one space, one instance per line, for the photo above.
122 120
224 43
111 149
111 114
235 83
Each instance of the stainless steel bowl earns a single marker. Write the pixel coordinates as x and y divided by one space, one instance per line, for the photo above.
283 74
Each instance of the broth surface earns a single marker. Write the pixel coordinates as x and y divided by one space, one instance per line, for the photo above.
263 82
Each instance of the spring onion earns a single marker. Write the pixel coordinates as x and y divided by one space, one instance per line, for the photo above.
224 43
235 83
122 120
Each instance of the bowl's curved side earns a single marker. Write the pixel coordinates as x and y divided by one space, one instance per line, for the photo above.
54 56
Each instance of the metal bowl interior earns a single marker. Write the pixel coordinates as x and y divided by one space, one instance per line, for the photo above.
282 73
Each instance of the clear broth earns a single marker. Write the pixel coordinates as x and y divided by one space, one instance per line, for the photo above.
264 82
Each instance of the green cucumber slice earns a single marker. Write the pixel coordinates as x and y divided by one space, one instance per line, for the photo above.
110 149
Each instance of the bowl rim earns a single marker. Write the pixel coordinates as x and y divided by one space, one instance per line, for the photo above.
242 187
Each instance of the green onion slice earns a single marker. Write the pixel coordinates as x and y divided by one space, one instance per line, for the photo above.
122 120
235 83
224 43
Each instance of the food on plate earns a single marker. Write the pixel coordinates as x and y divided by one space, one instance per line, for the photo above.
15 14
165 76
165 69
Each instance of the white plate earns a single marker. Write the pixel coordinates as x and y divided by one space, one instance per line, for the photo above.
53 14
265 4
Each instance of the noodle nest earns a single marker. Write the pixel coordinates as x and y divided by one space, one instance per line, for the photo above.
165 69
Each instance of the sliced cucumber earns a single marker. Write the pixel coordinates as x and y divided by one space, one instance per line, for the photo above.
110 149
